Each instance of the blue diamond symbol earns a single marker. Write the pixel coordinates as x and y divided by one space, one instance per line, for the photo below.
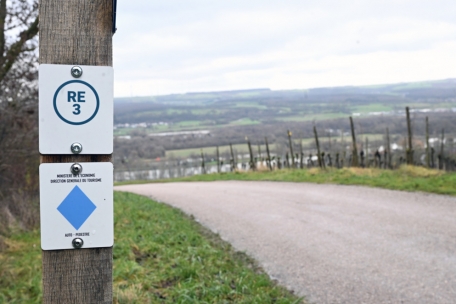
76 207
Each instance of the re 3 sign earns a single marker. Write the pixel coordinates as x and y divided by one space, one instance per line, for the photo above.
75 108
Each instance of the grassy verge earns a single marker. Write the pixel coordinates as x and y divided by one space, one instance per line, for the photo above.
160 256
406 178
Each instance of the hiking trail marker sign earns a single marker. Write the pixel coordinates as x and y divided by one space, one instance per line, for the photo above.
76 207
75 108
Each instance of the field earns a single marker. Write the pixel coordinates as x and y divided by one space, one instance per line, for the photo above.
160 256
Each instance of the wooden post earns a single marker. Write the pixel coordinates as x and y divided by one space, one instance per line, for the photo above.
291 149
259 151
203 164
320 162
441 155
269 155
79 33
252 160
355 162
218 160
388 149
428 155
233 164
366 153
301 156
409 133
260 160
329 141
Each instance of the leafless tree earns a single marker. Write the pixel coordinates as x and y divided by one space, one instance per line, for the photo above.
18 113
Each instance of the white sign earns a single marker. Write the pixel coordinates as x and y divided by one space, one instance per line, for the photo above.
76 206
75 110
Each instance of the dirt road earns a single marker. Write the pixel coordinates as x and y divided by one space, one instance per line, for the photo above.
333 244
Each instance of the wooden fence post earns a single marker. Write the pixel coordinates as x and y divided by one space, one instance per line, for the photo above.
291 148
203 164
320 161
218 160
252 160
388 149
441 155
355 162
409 133
329 141
428 155
79 33
233 160
269 155
301 156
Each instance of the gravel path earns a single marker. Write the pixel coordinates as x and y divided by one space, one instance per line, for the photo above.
333 244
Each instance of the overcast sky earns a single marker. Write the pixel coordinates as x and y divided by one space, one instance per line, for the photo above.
178 46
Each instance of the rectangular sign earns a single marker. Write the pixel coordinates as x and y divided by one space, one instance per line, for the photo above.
76 207
76 109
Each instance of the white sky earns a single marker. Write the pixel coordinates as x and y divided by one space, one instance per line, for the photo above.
178 46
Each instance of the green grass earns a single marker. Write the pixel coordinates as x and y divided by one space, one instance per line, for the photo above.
160 256
252 105
244 121
406 178
188 123
310 117
375 107
237 148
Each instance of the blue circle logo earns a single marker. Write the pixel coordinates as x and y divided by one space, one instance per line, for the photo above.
76 107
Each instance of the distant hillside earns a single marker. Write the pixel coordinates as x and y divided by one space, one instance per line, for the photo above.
203 110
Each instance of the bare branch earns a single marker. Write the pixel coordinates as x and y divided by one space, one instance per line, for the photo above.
2 30
15 50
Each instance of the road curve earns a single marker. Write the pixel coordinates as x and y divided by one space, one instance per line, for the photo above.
331 243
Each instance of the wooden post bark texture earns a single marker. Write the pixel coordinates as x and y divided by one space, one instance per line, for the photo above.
76 32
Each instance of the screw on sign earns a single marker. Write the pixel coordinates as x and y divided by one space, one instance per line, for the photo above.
76 71
78 243
76 169
76 148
